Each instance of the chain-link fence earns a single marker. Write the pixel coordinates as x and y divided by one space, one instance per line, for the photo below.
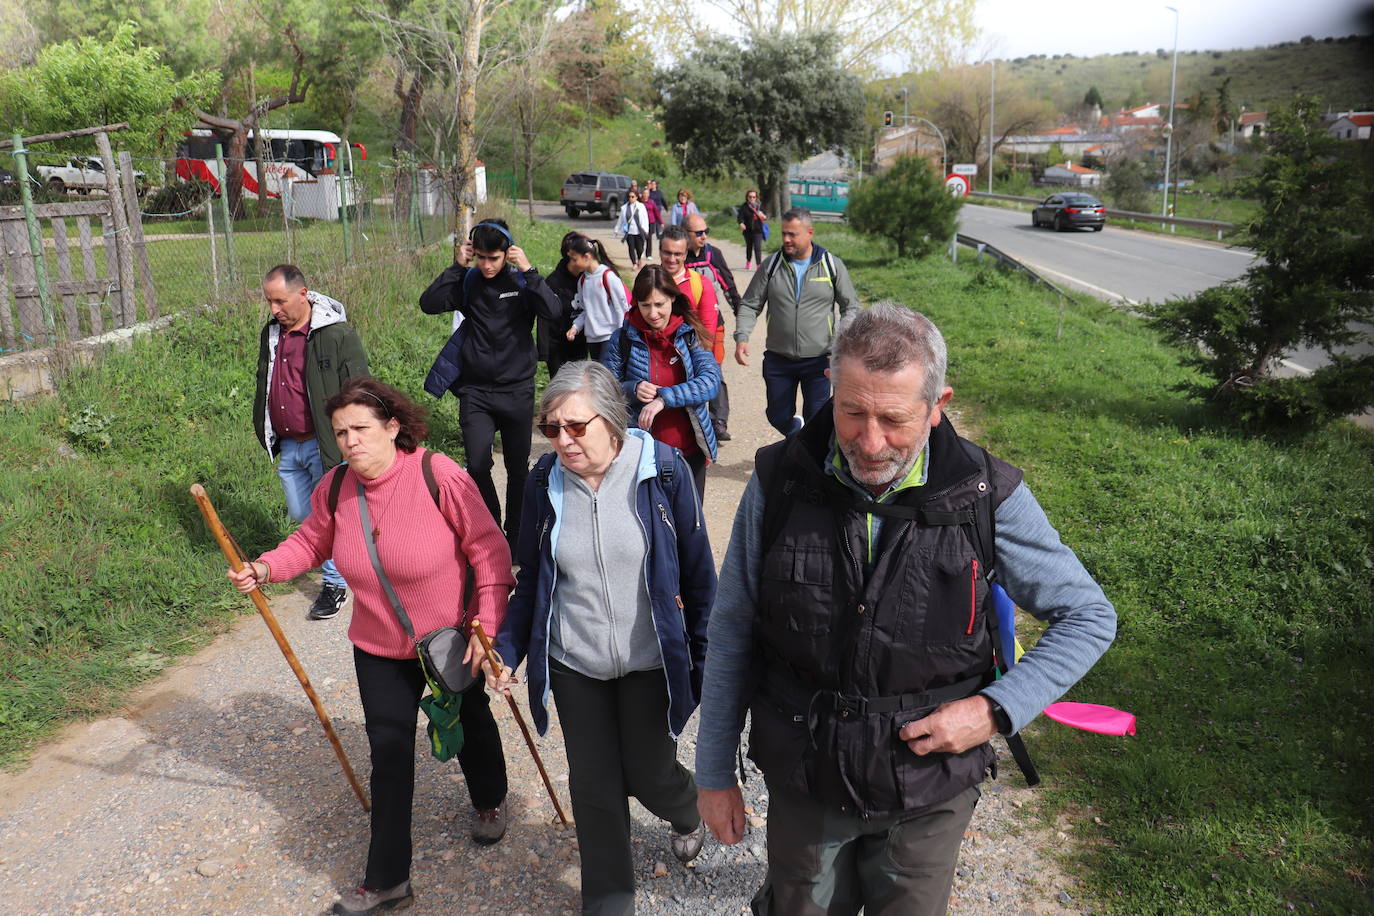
185 249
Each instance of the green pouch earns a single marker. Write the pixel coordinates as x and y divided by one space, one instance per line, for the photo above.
445 728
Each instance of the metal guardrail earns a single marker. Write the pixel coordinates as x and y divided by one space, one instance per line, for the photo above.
1004 259
1219 226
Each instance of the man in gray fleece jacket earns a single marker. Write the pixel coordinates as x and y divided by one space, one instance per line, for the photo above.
802 285
852 621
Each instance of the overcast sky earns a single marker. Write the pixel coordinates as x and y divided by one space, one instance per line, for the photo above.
1017 28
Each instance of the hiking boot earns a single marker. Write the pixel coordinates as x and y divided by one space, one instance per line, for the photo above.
687 846
722 433
327 605
366 900
490 826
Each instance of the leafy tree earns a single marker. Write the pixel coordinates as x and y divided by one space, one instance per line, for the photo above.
758 108
19 40
908 206
960 100
1313 284
1093 98
86 82
869 31
1127 185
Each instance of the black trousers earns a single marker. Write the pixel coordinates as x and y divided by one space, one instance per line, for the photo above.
616 736
697 462
636 245
595 349
654 229
753 247
481 415
390 689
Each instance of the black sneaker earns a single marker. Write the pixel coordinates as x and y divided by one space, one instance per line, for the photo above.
327 605
722 434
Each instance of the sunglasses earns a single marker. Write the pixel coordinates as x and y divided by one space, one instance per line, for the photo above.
701 231
576 428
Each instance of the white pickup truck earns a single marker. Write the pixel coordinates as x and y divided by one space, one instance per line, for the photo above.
81 174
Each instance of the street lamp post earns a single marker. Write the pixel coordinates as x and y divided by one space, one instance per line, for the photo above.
1169 125
588 84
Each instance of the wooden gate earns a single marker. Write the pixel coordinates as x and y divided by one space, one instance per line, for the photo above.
105 294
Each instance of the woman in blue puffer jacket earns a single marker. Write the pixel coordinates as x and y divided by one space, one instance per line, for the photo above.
667 376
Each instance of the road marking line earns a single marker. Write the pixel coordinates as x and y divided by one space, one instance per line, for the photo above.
1081 283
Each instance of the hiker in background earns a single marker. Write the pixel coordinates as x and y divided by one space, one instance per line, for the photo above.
554 347
657 196
668 376
753 222
601 301
682 209
428 525
840 661
655 212
802 285
700 292
306 352
633 227
709 261
621 654
489 362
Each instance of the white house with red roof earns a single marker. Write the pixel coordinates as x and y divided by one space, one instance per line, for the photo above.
1071 174
1353 125
1253 124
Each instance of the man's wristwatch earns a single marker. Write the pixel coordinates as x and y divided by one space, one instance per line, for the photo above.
1000 717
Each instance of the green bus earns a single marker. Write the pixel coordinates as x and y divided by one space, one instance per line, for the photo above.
819 195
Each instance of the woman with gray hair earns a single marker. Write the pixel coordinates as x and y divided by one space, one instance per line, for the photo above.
609 613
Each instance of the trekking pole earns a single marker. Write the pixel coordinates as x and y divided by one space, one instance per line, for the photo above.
495 658
237 562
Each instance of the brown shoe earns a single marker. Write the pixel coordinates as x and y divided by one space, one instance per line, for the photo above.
363 900
490 826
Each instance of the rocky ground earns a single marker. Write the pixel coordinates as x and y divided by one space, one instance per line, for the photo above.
216 792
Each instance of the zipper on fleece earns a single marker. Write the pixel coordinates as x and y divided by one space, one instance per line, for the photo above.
972 596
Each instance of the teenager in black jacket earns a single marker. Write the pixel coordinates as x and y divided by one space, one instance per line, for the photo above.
499 294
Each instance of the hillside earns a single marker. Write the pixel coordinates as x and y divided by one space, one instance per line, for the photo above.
1340 71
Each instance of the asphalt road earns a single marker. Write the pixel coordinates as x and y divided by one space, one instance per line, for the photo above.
1121 264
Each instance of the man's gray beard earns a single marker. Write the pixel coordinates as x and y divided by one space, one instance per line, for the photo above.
903 470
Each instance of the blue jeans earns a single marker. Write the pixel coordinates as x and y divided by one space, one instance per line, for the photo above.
781 378
300 470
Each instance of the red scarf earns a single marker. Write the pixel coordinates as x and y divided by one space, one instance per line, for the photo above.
672 425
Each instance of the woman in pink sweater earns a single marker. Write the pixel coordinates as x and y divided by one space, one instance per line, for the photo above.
426 538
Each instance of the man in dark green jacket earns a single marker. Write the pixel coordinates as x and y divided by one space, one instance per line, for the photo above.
306 352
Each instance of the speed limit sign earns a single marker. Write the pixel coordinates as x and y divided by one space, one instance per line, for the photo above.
957 185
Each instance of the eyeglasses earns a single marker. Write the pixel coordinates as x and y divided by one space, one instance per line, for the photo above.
700 231
576 428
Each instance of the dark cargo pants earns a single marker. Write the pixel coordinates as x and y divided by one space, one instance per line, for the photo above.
823 862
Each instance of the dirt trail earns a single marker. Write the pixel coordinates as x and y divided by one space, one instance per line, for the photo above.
216 793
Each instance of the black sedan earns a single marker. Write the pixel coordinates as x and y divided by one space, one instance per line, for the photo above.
1070 211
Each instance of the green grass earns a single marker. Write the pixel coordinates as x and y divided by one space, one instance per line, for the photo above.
1239 566
1240 569
114 574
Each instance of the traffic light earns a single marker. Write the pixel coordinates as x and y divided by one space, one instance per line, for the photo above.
887 119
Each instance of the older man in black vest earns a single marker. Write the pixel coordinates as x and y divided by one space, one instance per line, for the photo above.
854 621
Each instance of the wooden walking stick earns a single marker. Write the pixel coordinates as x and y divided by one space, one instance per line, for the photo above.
495 658
237 562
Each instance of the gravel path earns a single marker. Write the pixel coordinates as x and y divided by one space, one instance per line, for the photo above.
216 792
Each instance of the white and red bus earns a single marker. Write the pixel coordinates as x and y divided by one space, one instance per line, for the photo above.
293 155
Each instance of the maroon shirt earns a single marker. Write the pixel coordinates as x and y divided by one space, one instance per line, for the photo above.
288 406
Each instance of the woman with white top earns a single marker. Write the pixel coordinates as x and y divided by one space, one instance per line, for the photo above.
633 227
601 301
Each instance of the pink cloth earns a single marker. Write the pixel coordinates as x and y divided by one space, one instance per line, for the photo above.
1092 717
421 547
